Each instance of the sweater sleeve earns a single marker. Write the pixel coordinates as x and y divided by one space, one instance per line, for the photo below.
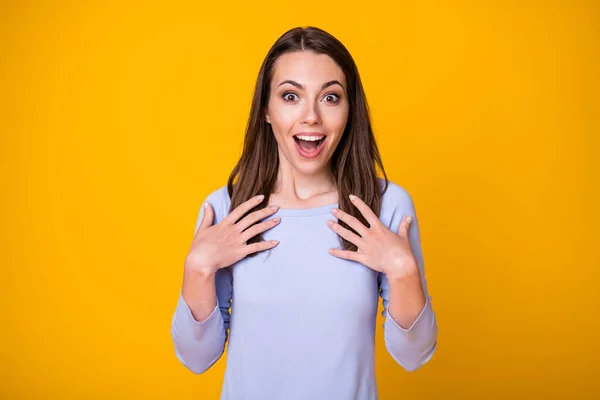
199 344
412 347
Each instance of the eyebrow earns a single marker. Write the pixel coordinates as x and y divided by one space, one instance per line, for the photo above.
301 87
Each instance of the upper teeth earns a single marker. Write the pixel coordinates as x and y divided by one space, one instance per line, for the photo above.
310 138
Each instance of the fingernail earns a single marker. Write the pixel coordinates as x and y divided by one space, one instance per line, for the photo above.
352 197
276 219
206 205
274 207
334 210
260 197
409 219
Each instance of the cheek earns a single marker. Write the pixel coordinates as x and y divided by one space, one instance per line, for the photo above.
337 119
283 117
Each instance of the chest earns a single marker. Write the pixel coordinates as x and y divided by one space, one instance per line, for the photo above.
300 277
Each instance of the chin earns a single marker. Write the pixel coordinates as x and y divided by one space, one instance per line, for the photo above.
309 167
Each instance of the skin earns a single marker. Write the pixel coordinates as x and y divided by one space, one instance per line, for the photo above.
305 183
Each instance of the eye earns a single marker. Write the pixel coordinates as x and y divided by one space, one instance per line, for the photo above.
288 96
333 96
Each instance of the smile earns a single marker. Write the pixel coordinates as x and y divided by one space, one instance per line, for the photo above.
309 146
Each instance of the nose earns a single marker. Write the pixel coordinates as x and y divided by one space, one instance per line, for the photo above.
311 113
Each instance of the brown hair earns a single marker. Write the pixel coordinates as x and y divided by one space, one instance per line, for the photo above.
355 160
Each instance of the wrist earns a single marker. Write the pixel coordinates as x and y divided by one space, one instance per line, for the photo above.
194 267
403 274
199 272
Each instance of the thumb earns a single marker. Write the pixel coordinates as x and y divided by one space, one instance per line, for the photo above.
405 226
207 218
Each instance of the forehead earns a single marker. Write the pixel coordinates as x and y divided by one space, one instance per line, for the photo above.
307 68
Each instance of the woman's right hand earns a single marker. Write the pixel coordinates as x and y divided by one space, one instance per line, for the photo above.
221 245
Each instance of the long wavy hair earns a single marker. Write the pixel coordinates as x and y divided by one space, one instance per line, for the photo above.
354 162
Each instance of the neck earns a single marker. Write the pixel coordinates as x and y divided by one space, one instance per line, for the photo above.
295 185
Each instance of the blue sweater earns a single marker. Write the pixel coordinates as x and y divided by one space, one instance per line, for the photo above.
302 321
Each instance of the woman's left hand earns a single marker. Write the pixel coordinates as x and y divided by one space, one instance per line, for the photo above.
378 247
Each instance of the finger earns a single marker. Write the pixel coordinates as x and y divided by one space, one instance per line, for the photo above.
347 254
242 209
346 234
352 221
404 226
208 216
365 210
260 246
259 228
255 216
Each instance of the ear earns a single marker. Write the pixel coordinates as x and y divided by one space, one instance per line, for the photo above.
267 117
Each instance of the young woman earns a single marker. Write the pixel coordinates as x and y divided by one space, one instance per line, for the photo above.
303 312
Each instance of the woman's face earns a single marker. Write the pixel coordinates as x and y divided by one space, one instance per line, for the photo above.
308 101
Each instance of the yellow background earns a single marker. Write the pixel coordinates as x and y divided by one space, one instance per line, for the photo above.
118 119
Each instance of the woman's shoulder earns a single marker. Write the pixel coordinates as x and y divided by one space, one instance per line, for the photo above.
395 198
220 201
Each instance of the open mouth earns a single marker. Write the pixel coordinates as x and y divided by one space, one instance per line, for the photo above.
309 145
